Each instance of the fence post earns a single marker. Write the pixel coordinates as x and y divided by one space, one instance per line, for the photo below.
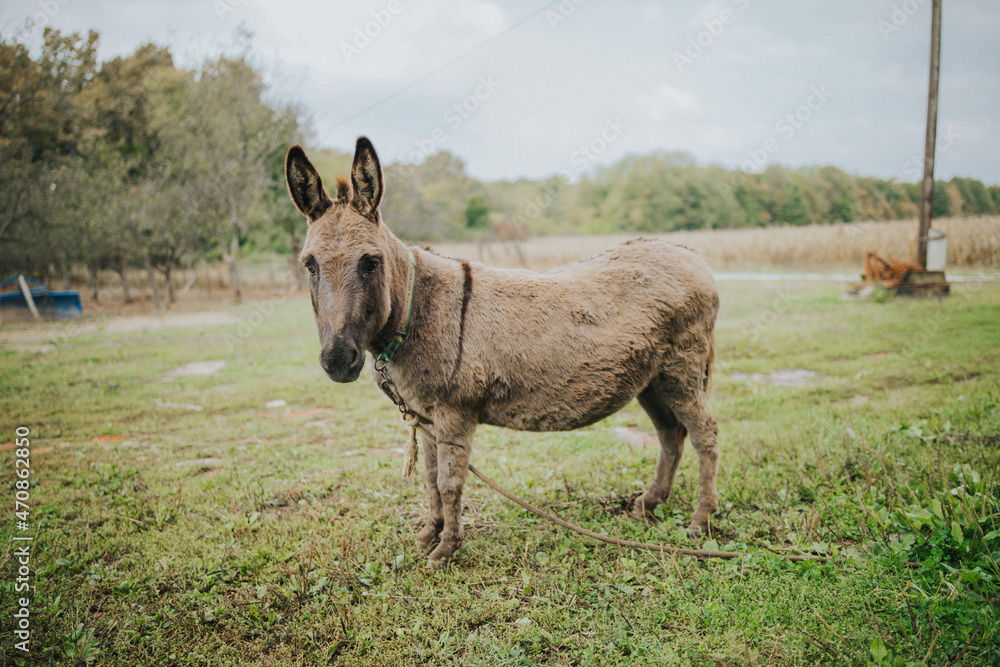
27 296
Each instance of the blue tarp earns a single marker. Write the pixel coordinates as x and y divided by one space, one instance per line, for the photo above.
51 305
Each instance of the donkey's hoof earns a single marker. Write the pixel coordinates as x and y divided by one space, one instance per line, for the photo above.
444 552
643 508
428 535
694 531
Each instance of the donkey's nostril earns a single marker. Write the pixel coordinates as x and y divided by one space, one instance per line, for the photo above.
342 361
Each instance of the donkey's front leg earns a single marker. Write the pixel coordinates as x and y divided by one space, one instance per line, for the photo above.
434 521
454 443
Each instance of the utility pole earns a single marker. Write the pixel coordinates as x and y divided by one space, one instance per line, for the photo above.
927 185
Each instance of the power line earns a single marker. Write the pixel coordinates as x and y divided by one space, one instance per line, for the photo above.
462 56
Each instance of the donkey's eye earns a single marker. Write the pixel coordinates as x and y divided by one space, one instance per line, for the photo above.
311 268
369 265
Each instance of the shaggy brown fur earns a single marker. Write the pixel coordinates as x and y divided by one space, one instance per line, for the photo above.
532 351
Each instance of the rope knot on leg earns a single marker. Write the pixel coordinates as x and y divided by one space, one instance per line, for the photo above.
411 450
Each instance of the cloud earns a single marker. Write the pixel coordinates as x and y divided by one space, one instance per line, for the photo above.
558 86
665 102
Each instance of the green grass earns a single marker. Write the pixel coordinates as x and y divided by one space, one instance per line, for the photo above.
242 535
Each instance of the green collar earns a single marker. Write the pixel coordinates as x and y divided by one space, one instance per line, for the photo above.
390 350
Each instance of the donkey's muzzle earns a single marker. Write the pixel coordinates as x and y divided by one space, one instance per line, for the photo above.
342 360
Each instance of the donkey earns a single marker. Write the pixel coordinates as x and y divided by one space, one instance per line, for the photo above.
469 344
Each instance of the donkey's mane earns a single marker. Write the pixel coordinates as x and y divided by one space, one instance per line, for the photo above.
343 188
426 247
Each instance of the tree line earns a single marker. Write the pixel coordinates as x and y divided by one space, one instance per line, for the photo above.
662 192
657 192
136 163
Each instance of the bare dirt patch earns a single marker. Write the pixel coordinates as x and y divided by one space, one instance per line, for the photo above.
794 377
179 406
30 339
634 436
195 369
196 309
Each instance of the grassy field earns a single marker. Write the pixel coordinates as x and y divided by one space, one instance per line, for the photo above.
241 534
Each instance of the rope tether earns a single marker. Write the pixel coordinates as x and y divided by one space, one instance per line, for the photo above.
694 553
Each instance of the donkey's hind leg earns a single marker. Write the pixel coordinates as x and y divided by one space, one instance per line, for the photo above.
671 433
693 413
434 521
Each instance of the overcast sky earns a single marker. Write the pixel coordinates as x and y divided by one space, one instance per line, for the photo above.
529 88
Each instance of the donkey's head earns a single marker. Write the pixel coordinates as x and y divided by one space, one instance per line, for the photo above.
357 268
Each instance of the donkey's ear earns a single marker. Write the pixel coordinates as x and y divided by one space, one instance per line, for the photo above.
305 185
366 176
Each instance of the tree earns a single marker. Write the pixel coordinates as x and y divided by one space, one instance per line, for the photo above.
942 200
841 192
284 216
426 201
123 98
975 197
40 131
477 213
222 139
956 202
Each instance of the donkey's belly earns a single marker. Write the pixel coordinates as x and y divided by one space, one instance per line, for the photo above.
562 406
549 421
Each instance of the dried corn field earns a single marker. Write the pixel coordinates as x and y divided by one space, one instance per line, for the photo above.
972 243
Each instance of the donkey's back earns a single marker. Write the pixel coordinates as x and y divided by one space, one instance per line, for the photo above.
562 349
